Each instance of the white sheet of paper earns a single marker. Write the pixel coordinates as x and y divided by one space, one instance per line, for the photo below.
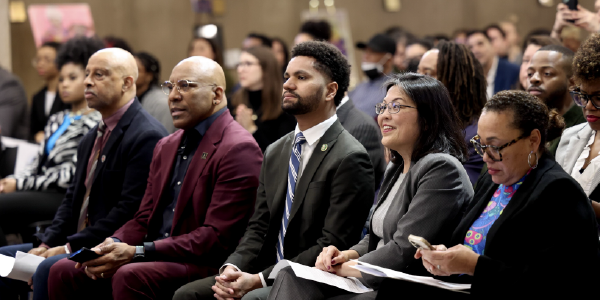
20 268
26 152
349 284
388 273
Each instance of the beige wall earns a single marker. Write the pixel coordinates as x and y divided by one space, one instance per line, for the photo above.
164 28
5 59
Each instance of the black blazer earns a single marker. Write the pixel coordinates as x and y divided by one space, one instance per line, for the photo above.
545 241
119 181
506 75
38 116
361 126
331 203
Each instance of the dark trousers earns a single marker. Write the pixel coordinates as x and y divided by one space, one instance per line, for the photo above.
140 280
19 209
197 290
290 287
10 289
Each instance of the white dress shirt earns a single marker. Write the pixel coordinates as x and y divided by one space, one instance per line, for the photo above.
585 179
48 102
312 136
491 77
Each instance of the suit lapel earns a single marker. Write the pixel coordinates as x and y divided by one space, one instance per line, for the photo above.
281 176
329 138
116 134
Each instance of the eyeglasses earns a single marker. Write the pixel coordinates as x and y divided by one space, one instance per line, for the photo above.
393 107
183 86
492 151
582 99
245 64
36 60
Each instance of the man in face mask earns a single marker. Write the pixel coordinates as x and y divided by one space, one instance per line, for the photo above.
376 63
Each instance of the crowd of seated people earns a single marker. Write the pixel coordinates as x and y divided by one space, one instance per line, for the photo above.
195 186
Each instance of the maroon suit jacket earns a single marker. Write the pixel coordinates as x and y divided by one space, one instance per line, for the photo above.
216 199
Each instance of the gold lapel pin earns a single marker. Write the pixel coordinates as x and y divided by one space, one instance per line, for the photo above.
204 155
324 147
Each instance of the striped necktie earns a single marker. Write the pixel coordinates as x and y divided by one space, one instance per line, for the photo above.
83 213
291 189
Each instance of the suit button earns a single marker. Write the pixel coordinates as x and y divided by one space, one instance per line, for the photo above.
166 234
178 182
185 157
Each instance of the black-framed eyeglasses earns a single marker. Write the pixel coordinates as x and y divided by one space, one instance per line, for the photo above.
183 86
492 151
393 107
582 99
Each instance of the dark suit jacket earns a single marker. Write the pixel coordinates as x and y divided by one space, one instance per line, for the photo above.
216 198
361 126
119 181
38 118
545 242
506 75
331 203
13 106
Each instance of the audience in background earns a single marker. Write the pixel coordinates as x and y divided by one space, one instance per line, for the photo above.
377 62
460 36
313 30
255 40
282 53
310 208
550 79
500 74
37 193
515 53
532 45
185 229
13 106
498 39
116 42
415 50
46 101
257 104
578 150
581 18
413 199
460 72
148 91
548 203
208 48
402 38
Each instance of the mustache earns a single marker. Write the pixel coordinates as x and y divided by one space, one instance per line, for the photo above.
289 92
90 91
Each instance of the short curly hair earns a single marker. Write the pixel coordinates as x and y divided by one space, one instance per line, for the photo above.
329 61
529 113
78 51
586 64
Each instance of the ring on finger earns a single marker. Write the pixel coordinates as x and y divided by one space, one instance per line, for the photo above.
102 274
438 267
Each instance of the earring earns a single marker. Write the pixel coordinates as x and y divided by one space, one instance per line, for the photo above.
215 102
536 160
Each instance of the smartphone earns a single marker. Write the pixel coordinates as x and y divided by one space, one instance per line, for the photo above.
83 255
419 242
572 4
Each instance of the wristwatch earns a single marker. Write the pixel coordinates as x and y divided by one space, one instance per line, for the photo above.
140 251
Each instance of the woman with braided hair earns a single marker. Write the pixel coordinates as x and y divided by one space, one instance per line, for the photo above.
462 74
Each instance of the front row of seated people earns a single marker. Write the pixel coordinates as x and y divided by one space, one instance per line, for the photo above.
236 214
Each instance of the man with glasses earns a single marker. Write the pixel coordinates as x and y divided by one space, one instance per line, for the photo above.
200 194
549 78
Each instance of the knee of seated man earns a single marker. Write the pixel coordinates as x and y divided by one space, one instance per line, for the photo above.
127 274
61 268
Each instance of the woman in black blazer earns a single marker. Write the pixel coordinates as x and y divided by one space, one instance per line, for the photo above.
530 230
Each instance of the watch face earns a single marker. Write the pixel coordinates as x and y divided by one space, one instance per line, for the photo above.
139 251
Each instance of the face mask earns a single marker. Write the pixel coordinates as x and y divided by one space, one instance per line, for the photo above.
374 70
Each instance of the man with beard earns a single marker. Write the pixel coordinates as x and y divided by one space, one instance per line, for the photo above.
550 80
315 186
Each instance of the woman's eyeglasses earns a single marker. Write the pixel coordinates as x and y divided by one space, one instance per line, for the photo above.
393 107
582 99
492 151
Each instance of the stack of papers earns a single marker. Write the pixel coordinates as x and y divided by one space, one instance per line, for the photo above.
20 267
388 273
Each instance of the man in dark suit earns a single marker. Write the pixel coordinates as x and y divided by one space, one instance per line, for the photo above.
361 127
500 74
113 162
13 106
200 195
316 183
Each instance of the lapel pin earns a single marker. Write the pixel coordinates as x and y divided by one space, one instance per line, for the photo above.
103 158
204 155
324 147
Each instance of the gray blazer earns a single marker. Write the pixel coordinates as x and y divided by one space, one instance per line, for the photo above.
430 203
156 103
13 106
571 144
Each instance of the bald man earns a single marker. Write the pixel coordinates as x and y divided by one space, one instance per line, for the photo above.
113 162
200 196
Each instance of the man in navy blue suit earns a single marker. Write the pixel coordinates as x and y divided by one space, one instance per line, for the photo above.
113 163
501 75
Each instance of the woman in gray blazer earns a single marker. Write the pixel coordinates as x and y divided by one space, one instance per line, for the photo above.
425 190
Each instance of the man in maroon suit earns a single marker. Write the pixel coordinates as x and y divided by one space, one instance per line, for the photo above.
200 195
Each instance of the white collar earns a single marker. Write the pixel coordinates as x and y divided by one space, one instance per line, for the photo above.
314 134
491 75
344 100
